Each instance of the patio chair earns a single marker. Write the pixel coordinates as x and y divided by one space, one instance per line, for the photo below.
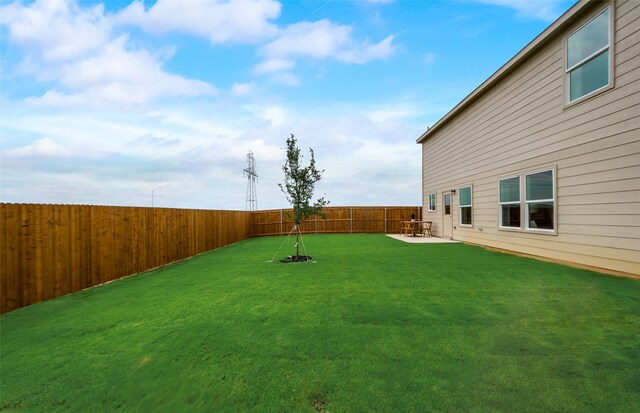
407 228
425 228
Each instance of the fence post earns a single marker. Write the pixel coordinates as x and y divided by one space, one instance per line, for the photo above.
316 224
280 221
351 220
385 220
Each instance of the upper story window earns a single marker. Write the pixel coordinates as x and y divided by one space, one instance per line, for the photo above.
432 202
466 205
588 59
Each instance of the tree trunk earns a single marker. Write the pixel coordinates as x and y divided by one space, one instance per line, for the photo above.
297 240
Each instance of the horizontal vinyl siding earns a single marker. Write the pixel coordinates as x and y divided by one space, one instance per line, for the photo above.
522 125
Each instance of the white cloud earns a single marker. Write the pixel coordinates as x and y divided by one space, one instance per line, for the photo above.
75 49
287 79
107 81
220 21
274 65
150 140
44 147
117 132
56 30
50 148
547 10
366 52
119 76
127 155
195 143
242 89
322 39
355 152
275 115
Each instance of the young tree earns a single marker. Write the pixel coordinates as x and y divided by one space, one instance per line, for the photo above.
298 186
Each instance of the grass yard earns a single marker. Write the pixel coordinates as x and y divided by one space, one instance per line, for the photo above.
375 325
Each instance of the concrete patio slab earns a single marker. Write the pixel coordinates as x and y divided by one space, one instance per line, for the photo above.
422 240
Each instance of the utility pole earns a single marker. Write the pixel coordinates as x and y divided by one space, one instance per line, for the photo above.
252 176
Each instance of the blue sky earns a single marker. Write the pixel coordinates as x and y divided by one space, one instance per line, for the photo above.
105 102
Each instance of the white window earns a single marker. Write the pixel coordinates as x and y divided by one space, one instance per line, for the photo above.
466 206
432 202
588 57
509 193
540 200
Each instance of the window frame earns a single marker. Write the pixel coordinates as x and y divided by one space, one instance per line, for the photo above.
526 203
429 208
518 202
610 47
460 206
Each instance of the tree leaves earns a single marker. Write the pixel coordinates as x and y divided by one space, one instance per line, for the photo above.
299 183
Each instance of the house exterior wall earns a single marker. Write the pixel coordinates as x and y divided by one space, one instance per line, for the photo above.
521 124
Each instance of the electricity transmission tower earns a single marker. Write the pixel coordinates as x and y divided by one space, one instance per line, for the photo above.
252 177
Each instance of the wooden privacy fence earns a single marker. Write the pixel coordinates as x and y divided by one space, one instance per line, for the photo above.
381 220
50 250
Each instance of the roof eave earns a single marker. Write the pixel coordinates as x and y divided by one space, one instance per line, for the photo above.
534 45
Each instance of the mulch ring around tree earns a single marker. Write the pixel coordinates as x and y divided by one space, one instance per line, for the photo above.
297 258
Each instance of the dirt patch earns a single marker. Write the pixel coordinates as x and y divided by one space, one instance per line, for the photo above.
296 258
320 405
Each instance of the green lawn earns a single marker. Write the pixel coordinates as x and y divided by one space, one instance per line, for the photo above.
375 325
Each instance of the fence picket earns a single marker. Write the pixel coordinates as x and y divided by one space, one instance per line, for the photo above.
338 220
50 250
